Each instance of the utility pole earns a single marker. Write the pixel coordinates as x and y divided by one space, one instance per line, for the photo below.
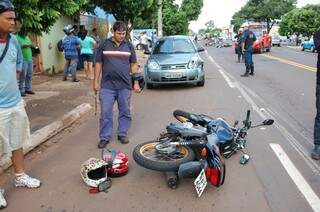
159 18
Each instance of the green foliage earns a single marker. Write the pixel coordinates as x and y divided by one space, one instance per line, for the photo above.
303 21
211 29
262 10
40 15
143 13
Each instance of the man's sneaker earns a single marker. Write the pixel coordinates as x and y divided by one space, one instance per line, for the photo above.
102 144
316 152
3 202
123 139
26 181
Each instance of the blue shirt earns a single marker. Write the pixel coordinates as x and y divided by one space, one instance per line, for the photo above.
86 45
12 62
116 61
70 44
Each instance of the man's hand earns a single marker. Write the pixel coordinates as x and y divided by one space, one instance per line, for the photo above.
136 87
96 86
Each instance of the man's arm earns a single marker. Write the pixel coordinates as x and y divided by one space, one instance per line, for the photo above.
96 78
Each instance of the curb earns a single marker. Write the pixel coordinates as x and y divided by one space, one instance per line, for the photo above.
45 133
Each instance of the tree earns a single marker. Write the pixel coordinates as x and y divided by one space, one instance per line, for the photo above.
39 15
211 29
264 11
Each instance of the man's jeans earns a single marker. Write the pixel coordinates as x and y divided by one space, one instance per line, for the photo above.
107 99
248 57
71 67
317 119
25 81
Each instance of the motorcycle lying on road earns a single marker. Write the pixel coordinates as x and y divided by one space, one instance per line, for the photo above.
195 148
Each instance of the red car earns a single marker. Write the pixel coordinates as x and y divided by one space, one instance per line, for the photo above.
263 42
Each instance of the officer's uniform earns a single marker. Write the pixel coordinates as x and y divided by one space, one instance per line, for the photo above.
248 38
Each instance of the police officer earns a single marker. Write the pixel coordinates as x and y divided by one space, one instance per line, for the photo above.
248 38
316 151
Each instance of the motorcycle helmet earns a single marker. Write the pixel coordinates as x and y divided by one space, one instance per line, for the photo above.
68 29
140 79
6 5
93 172
117 162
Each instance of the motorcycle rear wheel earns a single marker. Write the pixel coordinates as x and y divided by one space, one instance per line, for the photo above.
146 156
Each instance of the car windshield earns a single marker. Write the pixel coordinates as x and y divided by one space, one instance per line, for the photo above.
257 33
174 46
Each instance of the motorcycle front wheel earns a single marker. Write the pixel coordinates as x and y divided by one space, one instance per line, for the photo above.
146 156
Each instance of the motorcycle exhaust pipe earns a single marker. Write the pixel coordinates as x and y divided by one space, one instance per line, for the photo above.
190 169
172 179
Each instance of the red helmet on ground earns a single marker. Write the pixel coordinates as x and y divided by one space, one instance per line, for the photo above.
117 162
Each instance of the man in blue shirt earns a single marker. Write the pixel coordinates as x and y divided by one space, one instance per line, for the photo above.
117 61
70 47
14 123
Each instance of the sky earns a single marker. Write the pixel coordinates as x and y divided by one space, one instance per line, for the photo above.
221 11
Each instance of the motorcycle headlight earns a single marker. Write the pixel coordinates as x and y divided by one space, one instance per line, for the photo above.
193 63
153 65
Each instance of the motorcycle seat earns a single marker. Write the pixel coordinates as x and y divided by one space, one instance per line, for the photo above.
186 131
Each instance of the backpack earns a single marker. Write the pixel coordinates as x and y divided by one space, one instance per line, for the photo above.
60 45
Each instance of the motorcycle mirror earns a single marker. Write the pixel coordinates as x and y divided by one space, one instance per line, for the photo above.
244 159
235 123
268 122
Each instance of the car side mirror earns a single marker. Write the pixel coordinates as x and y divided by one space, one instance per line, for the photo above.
268 122
200 49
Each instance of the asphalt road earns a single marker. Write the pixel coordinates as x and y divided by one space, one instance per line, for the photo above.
279 176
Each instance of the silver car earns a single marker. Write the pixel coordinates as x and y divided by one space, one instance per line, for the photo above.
175 60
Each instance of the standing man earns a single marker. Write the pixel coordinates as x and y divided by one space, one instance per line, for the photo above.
70 47
239 47
25 82
117 61
145 42
248 38
14 123
316 151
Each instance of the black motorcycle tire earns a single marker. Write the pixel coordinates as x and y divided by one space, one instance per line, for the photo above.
158 165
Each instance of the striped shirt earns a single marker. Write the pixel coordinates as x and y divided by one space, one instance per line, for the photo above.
116 61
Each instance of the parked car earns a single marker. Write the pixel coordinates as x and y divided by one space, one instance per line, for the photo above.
308 45
276 40
175 60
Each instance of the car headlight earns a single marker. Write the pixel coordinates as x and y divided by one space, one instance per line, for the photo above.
193 63
153 65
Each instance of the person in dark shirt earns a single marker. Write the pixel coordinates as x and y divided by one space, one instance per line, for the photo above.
239 47
117 61
248 39
316 151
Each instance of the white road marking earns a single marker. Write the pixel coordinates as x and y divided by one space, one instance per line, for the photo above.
226 78
297 178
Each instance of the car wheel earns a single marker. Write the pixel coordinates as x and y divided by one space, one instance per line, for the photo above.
149 86
302 49
279 45
201 83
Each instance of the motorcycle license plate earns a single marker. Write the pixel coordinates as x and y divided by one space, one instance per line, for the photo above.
200 183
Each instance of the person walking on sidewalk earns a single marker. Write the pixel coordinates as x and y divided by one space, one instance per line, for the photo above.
117 61
87 44
25 81
145 42
70 47
316 151
14 123
248 38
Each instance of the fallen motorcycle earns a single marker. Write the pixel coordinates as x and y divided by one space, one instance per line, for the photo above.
194 149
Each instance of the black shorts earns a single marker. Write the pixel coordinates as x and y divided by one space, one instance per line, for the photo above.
87 57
